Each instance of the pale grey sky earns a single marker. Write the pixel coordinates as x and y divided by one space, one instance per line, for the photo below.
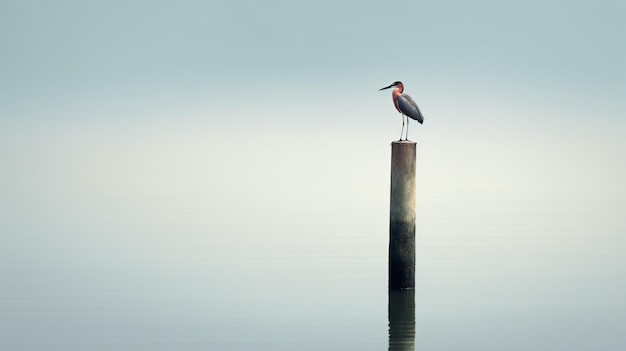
92 51
518 96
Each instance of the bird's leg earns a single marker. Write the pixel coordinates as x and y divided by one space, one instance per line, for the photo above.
402 130
406 135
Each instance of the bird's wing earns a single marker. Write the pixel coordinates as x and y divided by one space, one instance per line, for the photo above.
409 108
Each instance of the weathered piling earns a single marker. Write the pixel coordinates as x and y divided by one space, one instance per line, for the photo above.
402 216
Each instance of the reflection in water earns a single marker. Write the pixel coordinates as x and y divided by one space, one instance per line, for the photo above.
401 320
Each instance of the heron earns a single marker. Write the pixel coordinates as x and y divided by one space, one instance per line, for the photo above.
405 105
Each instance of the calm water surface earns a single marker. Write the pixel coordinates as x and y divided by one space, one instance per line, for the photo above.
491 275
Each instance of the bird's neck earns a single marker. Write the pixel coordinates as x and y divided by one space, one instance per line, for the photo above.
394 95
397 91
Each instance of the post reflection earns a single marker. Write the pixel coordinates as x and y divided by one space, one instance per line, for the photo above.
401 320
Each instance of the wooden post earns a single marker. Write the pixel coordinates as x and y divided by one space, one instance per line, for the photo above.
402 216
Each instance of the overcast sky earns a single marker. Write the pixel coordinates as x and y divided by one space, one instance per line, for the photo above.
517 95
97 52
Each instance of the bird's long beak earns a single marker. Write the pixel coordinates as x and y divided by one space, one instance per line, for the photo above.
386 87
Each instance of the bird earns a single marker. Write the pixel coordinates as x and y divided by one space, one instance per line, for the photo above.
405 105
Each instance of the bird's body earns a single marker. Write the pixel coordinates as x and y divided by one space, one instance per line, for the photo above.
405 105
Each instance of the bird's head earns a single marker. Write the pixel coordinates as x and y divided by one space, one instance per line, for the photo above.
392 85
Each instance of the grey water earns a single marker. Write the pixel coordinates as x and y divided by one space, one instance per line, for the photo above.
499 276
